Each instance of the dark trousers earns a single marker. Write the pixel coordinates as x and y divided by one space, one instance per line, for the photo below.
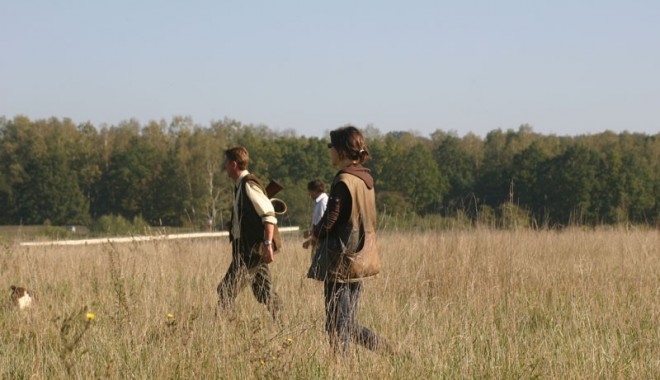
242 272
341 304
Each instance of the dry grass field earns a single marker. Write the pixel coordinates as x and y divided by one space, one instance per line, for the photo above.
458 304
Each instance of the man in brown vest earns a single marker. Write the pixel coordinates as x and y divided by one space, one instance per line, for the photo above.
254 238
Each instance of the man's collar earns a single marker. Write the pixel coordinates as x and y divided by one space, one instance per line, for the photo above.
240 176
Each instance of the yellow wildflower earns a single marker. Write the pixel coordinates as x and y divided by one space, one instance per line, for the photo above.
90 316
170 316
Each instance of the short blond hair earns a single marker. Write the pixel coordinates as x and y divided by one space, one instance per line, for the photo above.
240 155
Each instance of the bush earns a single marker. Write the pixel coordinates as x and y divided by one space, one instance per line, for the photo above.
114 225
414 222
392 203
513 217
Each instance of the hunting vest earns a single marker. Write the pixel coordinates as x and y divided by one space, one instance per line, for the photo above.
251 225
350 253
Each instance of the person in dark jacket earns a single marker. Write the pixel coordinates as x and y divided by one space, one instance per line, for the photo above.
347 252
254 237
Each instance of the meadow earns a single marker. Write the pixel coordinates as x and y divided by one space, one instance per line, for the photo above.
454 304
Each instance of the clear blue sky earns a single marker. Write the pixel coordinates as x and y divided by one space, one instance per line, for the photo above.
563 67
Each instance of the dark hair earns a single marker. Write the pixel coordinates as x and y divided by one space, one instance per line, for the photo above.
316 185
238 154
348 142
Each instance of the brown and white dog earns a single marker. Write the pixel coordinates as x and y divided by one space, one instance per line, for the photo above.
21 297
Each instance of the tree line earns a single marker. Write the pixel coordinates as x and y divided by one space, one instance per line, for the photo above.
170 173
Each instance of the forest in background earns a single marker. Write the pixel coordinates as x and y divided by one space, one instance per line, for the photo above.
56 172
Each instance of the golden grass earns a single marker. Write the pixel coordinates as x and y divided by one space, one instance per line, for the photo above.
477 304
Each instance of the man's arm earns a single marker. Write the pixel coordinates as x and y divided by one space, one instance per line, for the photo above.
267 254
264 207
262 204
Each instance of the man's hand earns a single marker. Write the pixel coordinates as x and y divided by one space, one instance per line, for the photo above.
309 242
267 253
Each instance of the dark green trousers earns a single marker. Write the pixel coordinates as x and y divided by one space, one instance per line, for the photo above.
241 273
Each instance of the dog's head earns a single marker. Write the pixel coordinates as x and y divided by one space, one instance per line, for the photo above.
21 297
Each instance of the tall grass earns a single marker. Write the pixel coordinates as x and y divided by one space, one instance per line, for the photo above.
476 304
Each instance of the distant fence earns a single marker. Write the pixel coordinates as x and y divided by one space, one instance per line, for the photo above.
131 239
